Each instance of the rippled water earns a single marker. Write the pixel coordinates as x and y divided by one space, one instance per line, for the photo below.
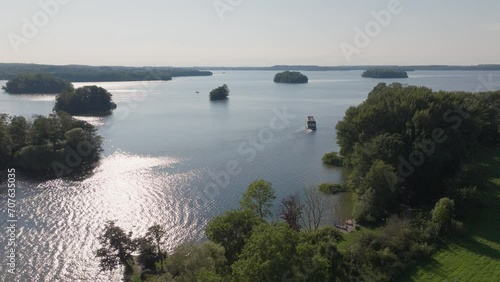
172 157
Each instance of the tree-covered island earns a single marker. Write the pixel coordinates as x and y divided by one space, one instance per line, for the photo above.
37 83
290 77
384 73
219 93
51 146
87 100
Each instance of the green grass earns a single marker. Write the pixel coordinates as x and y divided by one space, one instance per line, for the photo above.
347 239
475 256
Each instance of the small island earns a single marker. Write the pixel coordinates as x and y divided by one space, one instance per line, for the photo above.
48 146
87 100
219 93
39 83
384 73
290 77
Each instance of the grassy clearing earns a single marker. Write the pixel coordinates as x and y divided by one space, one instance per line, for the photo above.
476 255
347 239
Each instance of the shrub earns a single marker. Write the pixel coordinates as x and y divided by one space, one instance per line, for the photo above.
190 262
333 158
383 254
443 215
332 188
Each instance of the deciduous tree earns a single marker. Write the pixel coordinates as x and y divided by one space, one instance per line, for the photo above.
231 229
116 247
316 205
259 198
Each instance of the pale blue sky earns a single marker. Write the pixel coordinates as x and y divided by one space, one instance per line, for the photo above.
253 33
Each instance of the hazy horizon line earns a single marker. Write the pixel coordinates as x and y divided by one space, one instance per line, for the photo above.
256 66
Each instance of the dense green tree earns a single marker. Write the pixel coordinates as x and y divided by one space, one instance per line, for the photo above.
150 247
219 93
426 136
36 84
268 255
407 146
74 136
259 198
5 142
317 256
87 100
231 230
44 130
116 247
365 206
148 254
385 147
38 157
290 77
379 184
156 234
18 130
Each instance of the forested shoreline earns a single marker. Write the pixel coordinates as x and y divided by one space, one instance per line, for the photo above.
37 83
81 73
384 73
411 153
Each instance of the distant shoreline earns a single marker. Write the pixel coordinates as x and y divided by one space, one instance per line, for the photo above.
489 67
16 66
81 73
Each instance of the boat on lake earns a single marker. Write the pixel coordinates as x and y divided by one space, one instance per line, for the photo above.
310 123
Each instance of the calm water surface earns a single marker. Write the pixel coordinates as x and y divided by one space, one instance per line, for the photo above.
172 157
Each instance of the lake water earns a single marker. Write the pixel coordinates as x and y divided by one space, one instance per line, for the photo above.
174 158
